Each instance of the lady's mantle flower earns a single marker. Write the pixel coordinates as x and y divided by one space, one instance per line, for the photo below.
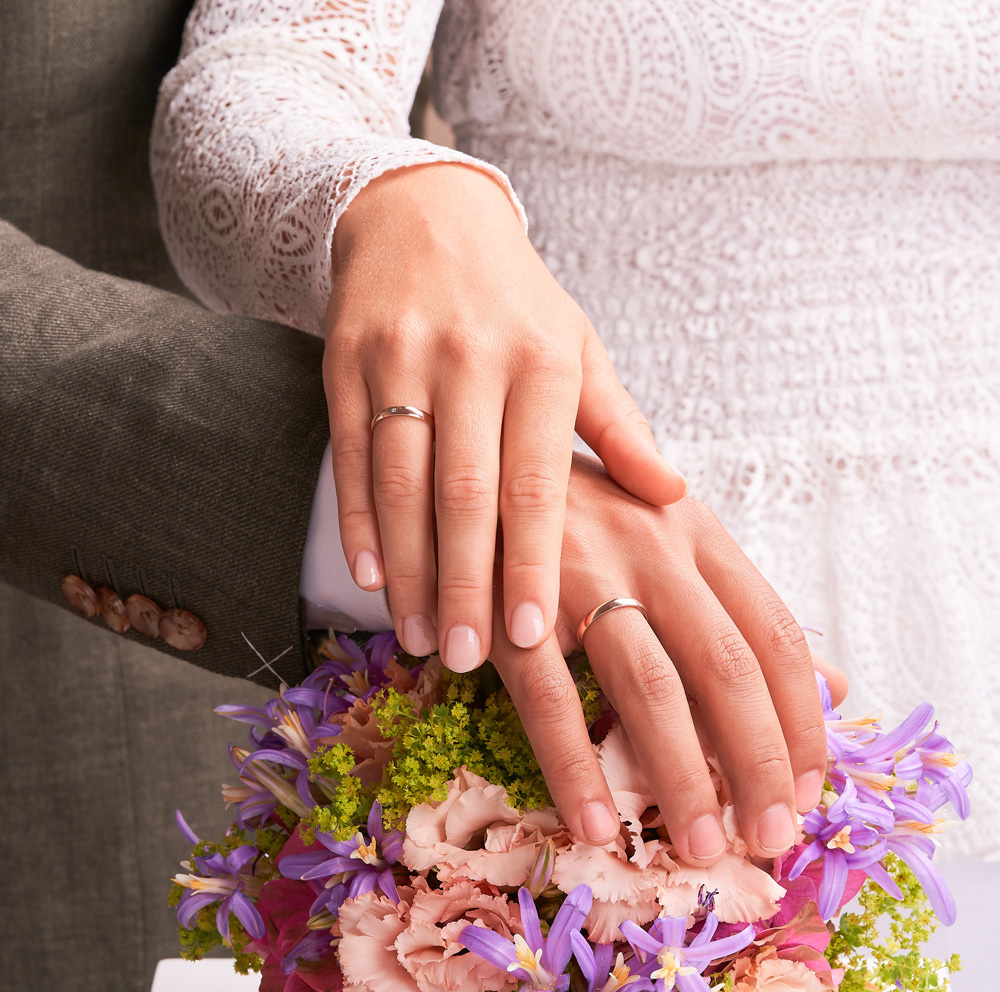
668 963
539 963
222 880
357 866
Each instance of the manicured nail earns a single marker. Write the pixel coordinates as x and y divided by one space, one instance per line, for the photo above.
462 649
808 789
776 831
526 625
597 821
706 839
419 635
366 571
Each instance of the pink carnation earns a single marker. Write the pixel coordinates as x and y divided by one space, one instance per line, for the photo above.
639 879
412 946
474 833
765 971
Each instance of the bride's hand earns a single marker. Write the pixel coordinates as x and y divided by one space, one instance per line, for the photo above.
441 303
717 633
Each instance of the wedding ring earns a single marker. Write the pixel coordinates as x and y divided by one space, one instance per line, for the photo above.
599 611
403 411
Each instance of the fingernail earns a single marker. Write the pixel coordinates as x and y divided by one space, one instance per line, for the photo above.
461 649
776 831
419 635
808 789
526 625
597 821
365 569
706 839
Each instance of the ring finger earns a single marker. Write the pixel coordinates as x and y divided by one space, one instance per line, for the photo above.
722 674
403 485
645 689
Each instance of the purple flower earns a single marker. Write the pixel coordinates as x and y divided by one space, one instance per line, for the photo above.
539 963
670 964
221 880
598 971
357 866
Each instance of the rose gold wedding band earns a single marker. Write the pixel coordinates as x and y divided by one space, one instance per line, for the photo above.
599 611
403 411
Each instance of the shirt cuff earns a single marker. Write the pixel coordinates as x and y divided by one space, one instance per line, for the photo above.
331 596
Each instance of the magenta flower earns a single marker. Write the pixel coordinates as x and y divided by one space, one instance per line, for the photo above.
539 963
668 963
357 866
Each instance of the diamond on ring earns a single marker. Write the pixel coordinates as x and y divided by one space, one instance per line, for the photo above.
403 411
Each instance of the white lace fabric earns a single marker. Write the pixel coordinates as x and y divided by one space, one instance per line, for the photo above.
782 217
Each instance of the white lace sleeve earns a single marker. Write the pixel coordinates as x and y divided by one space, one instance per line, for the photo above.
276 115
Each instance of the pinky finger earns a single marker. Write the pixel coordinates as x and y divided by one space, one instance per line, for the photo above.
350 435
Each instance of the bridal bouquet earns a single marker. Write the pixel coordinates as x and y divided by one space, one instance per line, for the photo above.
393 833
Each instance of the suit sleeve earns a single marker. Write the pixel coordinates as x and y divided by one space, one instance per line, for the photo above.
153 448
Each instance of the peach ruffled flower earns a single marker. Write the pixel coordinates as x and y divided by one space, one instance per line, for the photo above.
638 879
764 971
429 947
627 874
742 890
474 833
412 946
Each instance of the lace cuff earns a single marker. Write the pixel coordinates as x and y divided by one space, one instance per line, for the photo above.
261 140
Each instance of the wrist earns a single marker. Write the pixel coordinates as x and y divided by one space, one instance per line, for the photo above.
416 198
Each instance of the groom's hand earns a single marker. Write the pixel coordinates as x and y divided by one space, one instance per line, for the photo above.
717 636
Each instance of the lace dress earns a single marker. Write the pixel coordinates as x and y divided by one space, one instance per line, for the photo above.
782 217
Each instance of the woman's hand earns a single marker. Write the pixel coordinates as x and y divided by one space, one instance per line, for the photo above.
441 303
718 642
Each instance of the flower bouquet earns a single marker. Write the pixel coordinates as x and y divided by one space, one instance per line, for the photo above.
393 833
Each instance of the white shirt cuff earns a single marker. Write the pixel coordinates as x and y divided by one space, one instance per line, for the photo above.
331 596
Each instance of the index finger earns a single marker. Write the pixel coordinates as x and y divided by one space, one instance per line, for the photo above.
544 693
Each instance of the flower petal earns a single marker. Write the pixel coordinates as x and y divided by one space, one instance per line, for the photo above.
246 913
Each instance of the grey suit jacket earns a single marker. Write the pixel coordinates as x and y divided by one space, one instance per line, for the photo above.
148 446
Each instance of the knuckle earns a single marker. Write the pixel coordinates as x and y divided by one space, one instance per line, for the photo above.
731 661
466 489
549 692
530 489
397 486
350 449
574 766
767 764
786 641
687 781
808 740
355 520
701 514
649 677
462 344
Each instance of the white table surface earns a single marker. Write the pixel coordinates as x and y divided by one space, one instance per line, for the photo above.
208 975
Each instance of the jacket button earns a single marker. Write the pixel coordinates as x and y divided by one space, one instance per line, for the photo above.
144 615
112 609
182 630
81 597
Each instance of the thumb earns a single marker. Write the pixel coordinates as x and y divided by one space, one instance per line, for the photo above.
614 427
